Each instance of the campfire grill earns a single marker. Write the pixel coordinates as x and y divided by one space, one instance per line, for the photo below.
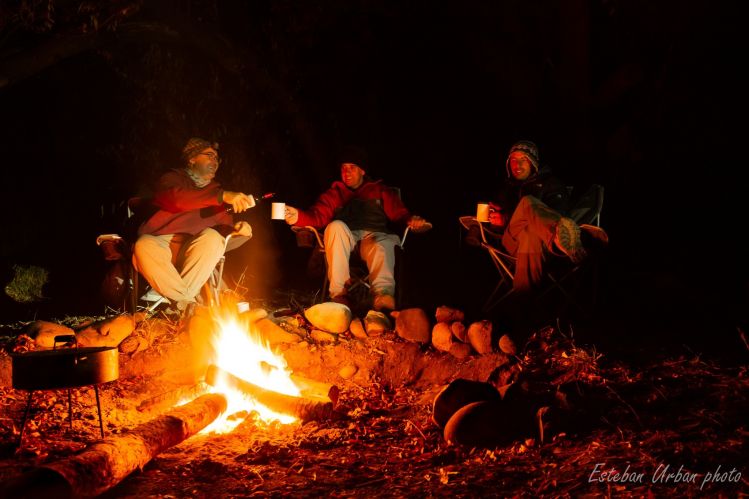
64 368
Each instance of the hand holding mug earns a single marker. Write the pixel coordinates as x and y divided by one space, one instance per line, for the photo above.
291 215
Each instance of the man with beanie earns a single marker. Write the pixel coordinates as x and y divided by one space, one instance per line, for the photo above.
180 244
354 210
531 210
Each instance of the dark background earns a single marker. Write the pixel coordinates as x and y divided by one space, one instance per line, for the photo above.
97 99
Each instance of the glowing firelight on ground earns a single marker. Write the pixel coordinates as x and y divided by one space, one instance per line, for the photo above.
241 352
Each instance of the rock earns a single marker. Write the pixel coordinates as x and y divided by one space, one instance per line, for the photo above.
329 316
133 344
44 332
459 331
478 424
491 423
253 315
457 394
323 336
447 314
273 333
347 372
460 350
480 336
412 324
107 333
504 375
506 345
357 329
442 337
376 322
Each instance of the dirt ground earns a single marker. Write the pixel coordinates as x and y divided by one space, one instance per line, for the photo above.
666 426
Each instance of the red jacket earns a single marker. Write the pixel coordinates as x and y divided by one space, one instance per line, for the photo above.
373 200
184 208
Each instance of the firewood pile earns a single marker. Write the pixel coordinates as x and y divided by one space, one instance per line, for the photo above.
382 438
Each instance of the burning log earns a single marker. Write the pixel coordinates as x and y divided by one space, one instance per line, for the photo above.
172 397
304 408
311 388
105 463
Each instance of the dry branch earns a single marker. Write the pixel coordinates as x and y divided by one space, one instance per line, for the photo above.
104 464
304 408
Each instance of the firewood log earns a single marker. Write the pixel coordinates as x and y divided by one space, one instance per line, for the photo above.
107 462
305 408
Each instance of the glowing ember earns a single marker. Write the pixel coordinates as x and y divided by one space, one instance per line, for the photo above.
241 352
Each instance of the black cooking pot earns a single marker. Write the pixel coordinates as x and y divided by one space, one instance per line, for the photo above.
65 368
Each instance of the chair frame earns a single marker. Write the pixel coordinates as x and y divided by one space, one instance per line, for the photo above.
505 263
320 247
210 289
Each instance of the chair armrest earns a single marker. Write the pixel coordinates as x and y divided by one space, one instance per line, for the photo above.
424 228
309 229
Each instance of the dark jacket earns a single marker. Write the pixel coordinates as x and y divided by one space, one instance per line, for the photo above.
542 185
373 206
181 207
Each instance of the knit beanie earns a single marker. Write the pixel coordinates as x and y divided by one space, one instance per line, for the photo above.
195 145
529 149
355 155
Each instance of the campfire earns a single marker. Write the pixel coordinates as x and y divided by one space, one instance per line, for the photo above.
242 354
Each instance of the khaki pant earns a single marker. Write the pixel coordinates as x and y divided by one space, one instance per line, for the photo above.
377 249
529 236
177 265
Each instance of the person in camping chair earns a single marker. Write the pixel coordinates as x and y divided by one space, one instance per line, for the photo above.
180 244
531 211
357 209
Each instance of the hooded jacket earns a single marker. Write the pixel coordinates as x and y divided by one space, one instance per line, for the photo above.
542 185
373 206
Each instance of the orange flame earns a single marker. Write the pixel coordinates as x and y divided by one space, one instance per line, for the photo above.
241 351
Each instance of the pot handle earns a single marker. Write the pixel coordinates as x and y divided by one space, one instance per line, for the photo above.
65 338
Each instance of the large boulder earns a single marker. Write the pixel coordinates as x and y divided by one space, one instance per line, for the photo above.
329 316
489 424
458 394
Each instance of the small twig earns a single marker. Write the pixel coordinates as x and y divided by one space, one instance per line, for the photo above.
742 335
417 429
626 404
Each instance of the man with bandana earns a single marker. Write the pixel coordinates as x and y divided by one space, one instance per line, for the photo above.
180 244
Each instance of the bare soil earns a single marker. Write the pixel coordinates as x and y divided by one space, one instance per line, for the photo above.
668 423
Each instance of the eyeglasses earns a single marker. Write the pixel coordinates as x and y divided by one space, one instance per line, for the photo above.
212 156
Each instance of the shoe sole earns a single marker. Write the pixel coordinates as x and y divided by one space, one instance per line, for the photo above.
568 240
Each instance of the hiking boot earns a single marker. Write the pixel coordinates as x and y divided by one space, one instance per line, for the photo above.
343 299
567 239
595 235
384 302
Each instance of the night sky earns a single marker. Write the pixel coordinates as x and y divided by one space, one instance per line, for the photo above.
642 97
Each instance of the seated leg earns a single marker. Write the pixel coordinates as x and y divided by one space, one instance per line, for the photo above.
153 257
339 241
378 251
198 259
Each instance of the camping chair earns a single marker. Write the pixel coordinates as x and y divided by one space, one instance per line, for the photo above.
359 274
586 210
132 287
309 236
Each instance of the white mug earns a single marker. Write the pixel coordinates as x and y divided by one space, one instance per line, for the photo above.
278 211
482 212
